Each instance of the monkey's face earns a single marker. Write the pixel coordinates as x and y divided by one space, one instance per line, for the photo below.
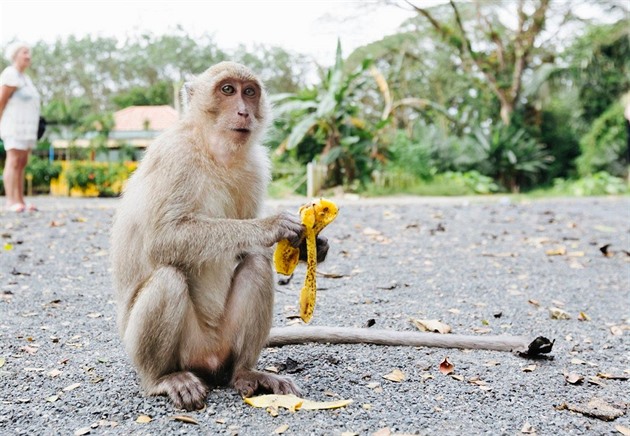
238 107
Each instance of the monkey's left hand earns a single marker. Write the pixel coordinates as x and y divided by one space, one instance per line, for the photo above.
321 243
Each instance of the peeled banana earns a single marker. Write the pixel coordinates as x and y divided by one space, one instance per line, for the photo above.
315 216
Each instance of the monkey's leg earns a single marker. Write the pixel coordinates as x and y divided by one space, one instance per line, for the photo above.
247 321
153 336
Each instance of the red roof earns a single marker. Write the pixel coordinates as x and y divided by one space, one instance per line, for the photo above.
145 118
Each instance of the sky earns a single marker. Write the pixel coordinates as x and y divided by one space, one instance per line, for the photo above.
308 27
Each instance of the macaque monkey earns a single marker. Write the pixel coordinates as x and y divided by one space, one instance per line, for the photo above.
191 252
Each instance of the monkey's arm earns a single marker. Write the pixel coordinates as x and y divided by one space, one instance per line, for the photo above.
347 335
193 239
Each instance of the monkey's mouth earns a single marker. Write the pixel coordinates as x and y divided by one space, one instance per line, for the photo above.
241 130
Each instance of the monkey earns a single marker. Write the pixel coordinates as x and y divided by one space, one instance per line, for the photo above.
191 252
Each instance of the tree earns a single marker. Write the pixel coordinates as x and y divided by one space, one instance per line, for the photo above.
498 53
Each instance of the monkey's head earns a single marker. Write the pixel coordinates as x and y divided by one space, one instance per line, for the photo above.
231 98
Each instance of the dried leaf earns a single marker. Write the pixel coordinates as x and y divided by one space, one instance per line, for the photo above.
143 419
457 377
82 431
609 376
573 378
185 418
94 315
281 429
534 302
616 330
71 387
395 376
597 408
54 373
557 313
446 367
623 430
2 361
52 398
29 350
559 251
293 403
8 247
583 317
529 368
528 429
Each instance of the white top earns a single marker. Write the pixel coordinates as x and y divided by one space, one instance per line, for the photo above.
20 118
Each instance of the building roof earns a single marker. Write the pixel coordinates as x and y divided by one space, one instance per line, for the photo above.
138 118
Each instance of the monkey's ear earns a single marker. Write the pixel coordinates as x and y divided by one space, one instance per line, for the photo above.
185 95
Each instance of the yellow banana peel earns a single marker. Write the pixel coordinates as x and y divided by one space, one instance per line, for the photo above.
315 216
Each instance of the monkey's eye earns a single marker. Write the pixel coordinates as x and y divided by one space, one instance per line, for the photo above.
228 89
250 92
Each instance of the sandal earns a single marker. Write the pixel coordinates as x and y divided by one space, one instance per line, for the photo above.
17 207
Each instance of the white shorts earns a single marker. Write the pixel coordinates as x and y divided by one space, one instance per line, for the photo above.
19 144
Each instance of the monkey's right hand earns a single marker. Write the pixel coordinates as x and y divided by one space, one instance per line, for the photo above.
284 225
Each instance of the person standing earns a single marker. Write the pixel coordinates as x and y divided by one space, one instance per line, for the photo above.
19 121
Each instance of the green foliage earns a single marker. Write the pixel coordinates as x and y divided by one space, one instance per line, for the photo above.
445 184
600 183
512 156
42 171
106 178
604 145
158 94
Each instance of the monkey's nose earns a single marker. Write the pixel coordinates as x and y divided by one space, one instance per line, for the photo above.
243 114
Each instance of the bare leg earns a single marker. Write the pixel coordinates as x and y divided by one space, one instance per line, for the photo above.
23 161
153 337
248 318
13 170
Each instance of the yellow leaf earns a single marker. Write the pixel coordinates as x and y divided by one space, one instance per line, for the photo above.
184 418
143 419
556 313
559 251
290 402
293 403
8 247
583 317
323 405
395 376
2 361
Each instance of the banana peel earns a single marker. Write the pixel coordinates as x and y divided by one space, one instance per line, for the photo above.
315 216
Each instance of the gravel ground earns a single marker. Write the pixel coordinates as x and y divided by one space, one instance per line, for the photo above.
480 265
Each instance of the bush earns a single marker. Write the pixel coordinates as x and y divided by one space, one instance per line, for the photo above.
107 178
601 183
604 145
43 171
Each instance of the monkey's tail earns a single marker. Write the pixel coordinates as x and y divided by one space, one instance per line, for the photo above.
351 335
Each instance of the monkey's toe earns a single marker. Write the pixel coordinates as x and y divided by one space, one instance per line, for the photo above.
185 390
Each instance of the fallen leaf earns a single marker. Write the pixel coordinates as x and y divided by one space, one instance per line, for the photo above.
54 373
557 313
273 369
605 250
616 330
534 302
185 418
573 378
143 419
446 367
583 317
52 398
395 376
281 429
528 429
293 403
596 408
29 350
94 315
82 431
457 377
2 361
559 251
8 247
609 376
71 387
623 430
529 368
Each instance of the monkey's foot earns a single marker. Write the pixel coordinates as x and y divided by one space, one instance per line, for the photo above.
248 382
185 390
